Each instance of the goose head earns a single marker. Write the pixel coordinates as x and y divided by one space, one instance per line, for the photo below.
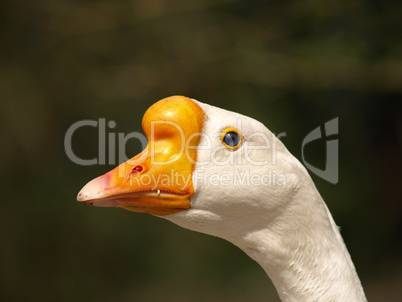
204 168
225 174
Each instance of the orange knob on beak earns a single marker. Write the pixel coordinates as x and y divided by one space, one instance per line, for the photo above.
159 179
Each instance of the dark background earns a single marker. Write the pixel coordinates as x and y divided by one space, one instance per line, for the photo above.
291 64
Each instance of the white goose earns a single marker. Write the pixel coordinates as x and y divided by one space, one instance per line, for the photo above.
222 173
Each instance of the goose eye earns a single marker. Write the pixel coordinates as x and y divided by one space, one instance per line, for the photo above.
231 138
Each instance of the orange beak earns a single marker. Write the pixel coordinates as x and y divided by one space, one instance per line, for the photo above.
159 179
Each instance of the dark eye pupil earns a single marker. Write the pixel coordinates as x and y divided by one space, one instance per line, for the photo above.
231 139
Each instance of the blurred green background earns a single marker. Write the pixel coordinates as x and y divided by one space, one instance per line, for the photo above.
291 64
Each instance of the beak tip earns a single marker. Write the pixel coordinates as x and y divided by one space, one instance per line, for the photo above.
81 196
92 189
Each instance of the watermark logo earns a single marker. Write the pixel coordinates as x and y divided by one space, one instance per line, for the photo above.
331 171
111 143
122 140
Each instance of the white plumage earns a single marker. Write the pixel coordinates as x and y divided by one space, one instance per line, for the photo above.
259 197
286 228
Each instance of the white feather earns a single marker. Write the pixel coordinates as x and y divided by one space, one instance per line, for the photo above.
285 227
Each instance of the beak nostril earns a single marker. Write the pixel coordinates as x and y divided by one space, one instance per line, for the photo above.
137 169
